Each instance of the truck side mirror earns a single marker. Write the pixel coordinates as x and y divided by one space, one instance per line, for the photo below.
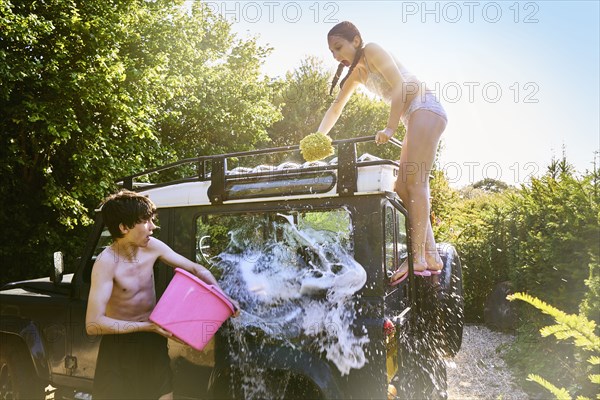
59 268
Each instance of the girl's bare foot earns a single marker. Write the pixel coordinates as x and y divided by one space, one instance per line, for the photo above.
403 270
400 272
420 265
433 260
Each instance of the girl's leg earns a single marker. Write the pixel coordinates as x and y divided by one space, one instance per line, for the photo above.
416 160
432 257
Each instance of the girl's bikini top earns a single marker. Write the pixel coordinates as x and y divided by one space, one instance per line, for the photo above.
377 84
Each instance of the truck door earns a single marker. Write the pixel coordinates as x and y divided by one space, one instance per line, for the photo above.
83 349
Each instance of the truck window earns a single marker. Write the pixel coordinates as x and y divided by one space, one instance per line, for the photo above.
104 241
216 233
395 239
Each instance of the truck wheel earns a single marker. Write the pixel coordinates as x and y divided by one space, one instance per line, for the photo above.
294 387
422 370
301 388
220 385
451 317
441 313
18 379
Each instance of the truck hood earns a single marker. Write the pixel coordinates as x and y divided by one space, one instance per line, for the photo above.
41 286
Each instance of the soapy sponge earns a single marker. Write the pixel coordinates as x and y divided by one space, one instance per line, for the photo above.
316 146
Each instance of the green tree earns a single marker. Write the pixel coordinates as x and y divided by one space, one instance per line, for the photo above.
543 237
91 91
490 185
591 302
556 234
221 103
303 98
443 204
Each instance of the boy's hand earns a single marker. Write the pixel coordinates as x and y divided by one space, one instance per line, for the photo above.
236 307
161 331
235 304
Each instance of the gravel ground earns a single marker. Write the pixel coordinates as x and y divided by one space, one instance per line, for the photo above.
478 372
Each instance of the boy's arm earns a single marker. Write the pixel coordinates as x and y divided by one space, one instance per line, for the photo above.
175 260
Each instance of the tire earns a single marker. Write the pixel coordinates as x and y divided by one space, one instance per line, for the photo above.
18 379
441 315
278 384
301 388
452 304
421 369
220 385
435 332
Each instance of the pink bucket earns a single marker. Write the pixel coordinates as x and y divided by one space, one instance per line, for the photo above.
191 310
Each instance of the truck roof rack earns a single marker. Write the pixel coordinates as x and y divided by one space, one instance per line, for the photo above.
342 170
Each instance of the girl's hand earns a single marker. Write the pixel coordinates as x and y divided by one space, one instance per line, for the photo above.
384 135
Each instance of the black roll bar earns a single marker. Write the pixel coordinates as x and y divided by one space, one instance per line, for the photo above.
346 167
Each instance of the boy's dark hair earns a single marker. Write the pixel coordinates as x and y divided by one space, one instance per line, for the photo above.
127 208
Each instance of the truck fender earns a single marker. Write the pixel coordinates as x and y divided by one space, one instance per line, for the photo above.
442 313
301 364
12 327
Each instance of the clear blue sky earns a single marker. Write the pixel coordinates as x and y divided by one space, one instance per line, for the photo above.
520 80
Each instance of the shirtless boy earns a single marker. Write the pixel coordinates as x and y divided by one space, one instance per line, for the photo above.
133 360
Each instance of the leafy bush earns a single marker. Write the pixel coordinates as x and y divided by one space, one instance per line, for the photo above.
93 91
541 237
582 331
477 227
556 236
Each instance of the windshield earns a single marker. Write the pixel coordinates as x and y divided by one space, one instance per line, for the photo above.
294 275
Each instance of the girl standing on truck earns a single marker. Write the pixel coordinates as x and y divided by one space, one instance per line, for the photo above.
423 117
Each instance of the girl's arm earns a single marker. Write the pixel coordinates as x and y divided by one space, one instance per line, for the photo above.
335 110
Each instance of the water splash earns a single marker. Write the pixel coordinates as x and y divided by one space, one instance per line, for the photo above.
295 286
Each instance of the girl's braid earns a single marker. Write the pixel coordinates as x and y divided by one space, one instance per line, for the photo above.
357 56
336 77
